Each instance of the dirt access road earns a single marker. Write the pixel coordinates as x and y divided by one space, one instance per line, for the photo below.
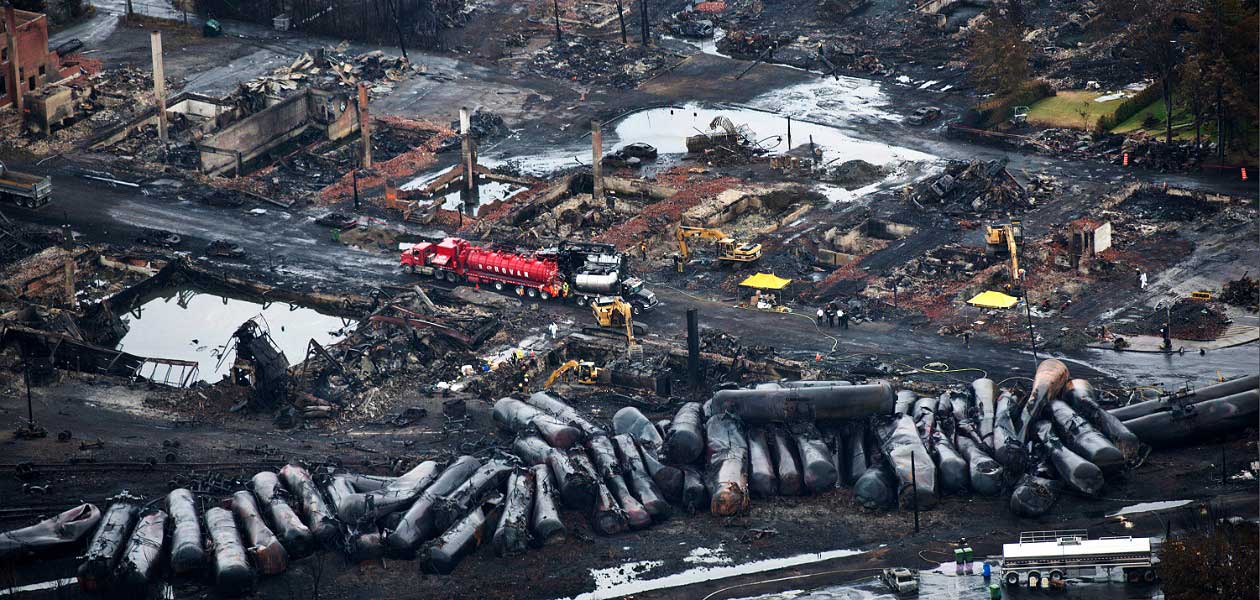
305 257
286 248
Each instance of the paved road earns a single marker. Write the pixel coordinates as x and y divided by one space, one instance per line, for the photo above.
905 348
304 254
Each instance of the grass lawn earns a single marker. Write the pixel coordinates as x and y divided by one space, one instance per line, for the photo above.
1183 123
1064 110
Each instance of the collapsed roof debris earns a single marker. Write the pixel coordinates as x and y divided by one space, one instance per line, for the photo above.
972 187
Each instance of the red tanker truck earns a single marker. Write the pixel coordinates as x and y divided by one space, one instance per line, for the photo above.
576 270
459 261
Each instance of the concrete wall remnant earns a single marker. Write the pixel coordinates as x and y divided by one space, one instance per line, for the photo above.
229 149
1102 237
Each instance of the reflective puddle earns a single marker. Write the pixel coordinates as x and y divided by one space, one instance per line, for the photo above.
191 325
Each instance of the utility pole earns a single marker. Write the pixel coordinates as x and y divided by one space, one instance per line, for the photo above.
555 11
67 241
621 18
789 146
30 430
1224 479
1022 277
365 125
1165 332
597 167
402 45
30 406
643 21
469 193
1032 337
159 86
354 177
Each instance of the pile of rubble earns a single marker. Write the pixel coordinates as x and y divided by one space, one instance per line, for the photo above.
483 125
972 187
589 61
329 67
1188 320
1243 291
750 44
409 342
1157 204
853 174
1145 151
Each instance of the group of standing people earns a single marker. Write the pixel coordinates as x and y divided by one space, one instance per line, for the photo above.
833 314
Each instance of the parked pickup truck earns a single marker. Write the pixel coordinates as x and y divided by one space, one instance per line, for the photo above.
31 191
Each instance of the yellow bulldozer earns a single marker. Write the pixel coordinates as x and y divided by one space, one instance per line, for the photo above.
728 250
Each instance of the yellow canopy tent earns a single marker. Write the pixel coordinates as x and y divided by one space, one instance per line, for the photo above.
765 281
991 299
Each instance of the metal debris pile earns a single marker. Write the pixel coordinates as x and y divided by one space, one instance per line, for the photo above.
589 61
972 187
328 67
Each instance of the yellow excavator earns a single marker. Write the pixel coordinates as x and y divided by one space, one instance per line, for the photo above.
1004 240
612 311
585 371
729 250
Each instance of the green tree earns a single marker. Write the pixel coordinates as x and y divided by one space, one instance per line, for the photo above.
1223 38
1196 91
999 55
1215 562
1158 51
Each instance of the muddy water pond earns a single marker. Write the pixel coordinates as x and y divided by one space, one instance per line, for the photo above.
192 325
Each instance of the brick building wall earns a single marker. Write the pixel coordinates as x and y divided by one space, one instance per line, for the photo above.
36 65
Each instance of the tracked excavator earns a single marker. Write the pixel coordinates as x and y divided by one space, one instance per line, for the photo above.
728 250
1004 240
613 312
585 371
